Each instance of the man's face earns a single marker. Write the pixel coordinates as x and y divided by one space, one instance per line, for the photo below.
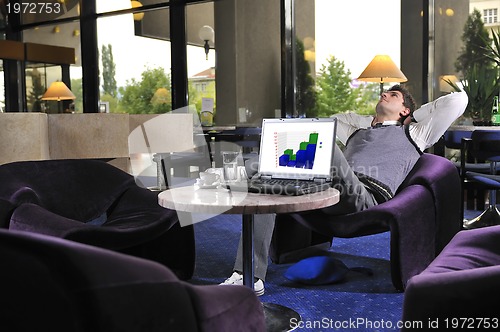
390 105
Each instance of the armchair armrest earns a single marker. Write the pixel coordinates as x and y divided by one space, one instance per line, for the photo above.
34 218
463 293
442 179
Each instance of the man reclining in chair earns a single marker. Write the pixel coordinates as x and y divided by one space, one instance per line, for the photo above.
379 153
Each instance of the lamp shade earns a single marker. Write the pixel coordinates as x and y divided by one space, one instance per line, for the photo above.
58 91
382 69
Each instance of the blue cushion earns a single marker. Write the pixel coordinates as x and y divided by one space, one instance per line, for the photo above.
320 270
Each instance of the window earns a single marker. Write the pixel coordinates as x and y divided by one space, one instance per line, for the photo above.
490 16
134 70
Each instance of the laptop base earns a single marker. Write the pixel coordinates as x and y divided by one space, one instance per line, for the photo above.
294 188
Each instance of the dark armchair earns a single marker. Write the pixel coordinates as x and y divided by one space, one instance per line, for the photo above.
462 283
422 217
92 202
51 284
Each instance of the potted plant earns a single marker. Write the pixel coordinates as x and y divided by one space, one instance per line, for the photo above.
493 48
481 85
478 62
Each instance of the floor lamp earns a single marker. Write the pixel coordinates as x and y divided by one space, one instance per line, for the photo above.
58 91
382 69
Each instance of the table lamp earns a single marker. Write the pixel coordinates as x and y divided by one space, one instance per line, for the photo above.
382 69
58 91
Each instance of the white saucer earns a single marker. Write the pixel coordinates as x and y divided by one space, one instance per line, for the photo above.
207 186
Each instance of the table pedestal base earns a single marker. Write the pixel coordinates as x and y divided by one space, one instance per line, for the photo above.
279 318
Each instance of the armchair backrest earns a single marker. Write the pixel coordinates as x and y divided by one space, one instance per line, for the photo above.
485 145
428 170
78 189
51 284
453 138
34 284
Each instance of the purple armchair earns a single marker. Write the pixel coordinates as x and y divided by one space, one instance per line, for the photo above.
422 217
463 282
51 284
92 202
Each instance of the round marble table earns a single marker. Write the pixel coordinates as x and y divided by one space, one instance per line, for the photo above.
220 200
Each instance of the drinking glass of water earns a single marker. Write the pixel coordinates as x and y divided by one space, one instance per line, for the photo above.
230 165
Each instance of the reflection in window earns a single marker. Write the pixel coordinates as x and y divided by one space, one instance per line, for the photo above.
35 89
38 78
40 75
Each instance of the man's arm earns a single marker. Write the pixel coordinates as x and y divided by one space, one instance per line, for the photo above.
434 118
348 123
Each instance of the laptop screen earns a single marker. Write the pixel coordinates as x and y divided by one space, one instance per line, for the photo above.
298 148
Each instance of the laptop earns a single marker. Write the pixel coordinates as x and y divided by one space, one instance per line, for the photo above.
295 157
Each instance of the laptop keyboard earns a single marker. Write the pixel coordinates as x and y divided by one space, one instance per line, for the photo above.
283 182
285 187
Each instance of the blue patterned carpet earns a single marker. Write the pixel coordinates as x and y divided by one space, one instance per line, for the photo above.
368 300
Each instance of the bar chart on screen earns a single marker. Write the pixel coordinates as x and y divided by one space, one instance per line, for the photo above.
296 149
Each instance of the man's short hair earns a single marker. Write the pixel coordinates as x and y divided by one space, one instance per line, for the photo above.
408 100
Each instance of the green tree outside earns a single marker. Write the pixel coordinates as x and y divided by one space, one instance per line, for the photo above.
108 71
336 95
478 68
476 41
138 96
195 96
114 104
76 88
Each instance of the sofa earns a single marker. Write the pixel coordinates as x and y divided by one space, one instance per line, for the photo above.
95 203
461 287
422 218
52 284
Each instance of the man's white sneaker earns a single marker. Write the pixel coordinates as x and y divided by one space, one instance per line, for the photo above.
237 279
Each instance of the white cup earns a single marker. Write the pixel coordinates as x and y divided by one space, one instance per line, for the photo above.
209 178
